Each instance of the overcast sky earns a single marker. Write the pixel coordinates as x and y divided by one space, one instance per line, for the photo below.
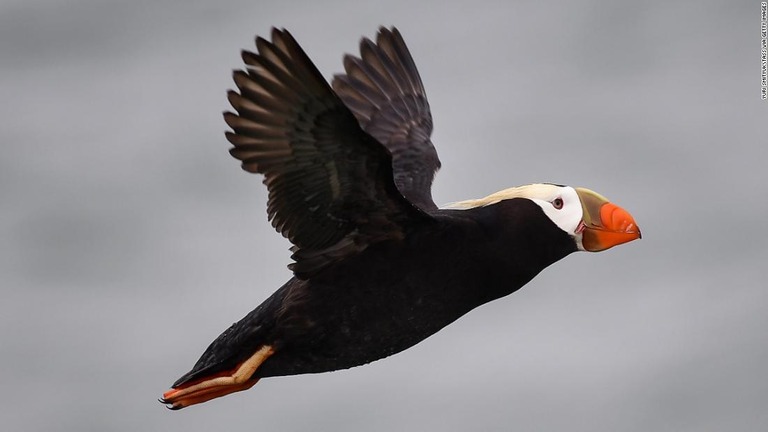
129 238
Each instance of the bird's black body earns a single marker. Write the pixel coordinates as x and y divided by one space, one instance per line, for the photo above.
395 293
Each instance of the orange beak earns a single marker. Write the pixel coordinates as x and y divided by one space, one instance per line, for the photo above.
604 224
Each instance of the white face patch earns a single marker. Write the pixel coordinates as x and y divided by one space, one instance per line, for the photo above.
563 206
560 203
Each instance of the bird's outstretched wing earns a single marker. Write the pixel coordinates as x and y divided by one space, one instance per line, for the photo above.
331 188
383 89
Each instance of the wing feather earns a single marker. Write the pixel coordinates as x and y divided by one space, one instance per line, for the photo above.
383 89
331 187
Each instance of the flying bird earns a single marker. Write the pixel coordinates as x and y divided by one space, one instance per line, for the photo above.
377 266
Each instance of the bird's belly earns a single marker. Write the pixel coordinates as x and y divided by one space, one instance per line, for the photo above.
338 328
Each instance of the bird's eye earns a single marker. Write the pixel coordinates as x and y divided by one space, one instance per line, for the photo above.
558 203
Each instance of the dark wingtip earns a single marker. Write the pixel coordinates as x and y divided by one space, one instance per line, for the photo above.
283 36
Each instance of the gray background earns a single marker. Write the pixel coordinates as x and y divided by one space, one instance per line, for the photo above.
130 239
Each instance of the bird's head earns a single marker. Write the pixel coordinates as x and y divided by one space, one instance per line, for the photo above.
594 223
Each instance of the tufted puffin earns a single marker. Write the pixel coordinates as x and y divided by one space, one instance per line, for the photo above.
377 266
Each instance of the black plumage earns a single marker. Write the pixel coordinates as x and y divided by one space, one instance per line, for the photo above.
378 267
331 185
392 295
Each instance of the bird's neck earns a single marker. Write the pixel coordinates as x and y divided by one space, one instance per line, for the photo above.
510 246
